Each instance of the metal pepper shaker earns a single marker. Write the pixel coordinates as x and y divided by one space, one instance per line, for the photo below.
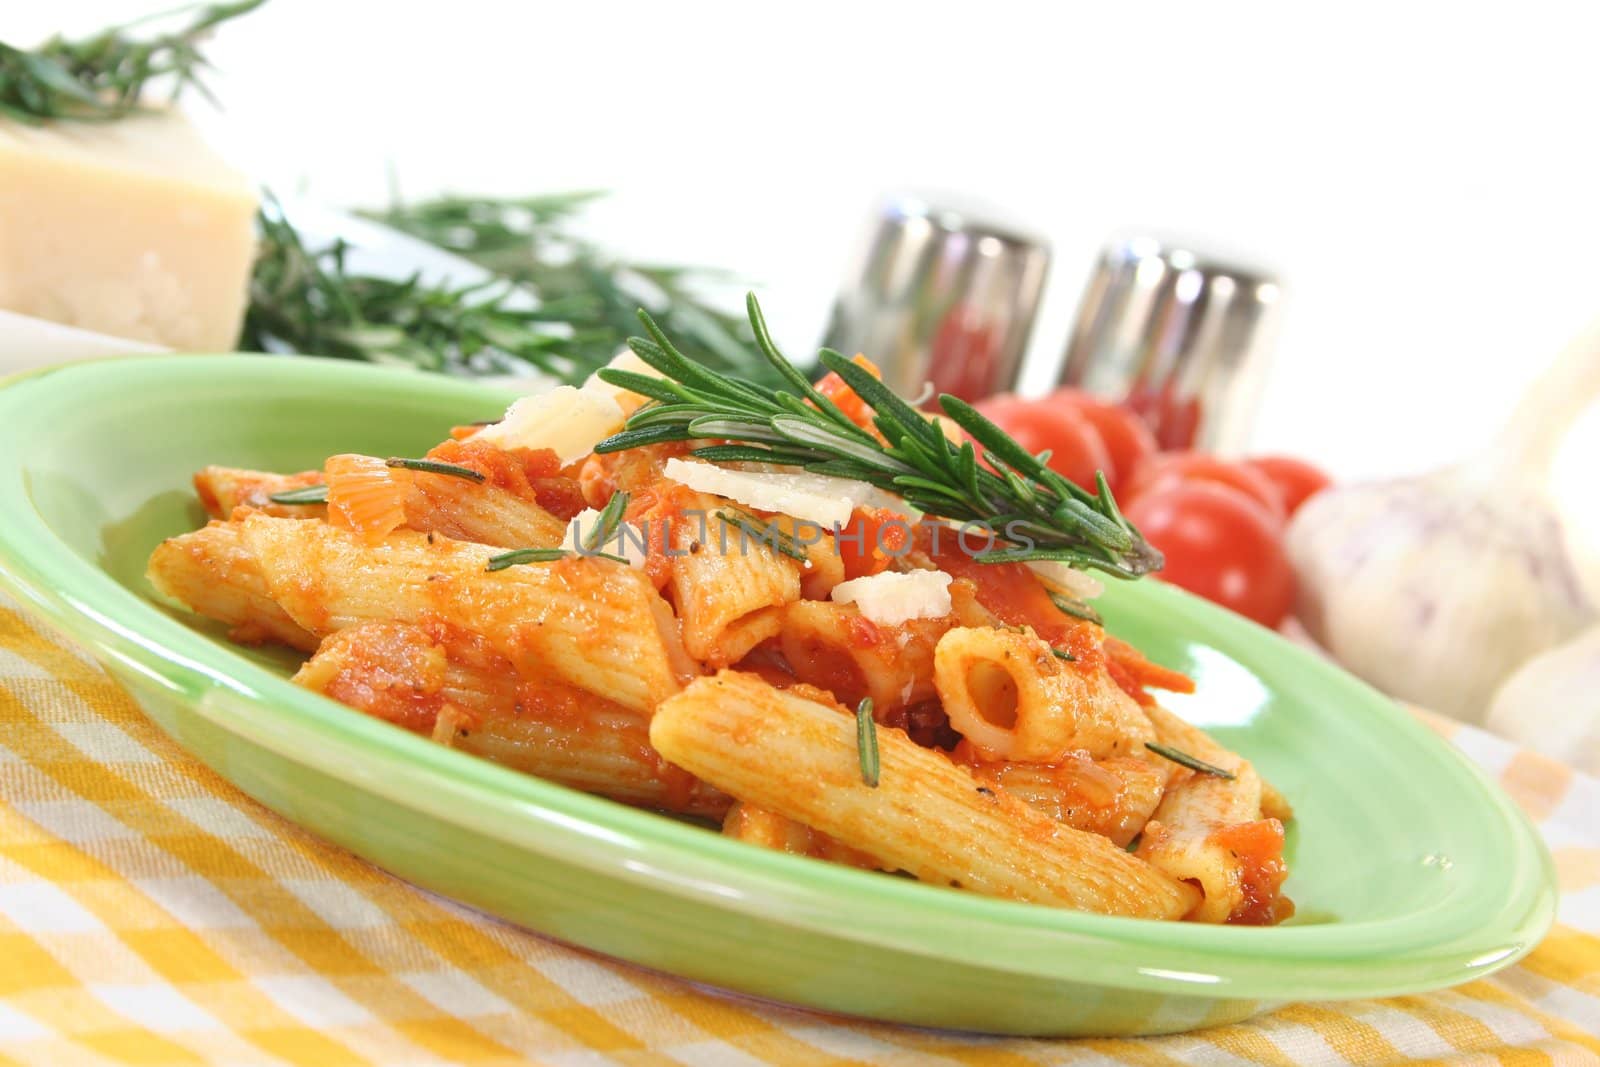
1180 335
943 295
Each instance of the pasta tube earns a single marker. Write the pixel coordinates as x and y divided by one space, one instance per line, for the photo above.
451 685
1197 831
1013 698
927 816
1114 797
729 588
430 503
213 573
832 647
221 489
589 623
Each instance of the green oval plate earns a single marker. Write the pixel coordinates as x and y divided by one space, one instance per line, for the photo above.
1410 869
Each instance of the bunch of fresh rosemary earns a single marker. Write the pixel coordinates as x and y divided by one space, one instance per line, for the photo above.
565 307
596 295
107 76
305 300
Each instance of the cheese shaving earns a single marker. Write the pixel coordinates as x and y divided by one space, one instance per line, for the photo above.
816 498
890 599
626 399
571 421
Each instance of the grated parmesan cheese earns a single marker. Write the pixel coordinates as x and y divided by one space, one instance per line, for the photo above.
570 421
891 598
815 498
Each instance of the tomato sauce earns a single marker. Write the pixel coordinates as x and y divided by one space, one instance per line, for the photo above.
871 540
1134 674
530 473
1259 847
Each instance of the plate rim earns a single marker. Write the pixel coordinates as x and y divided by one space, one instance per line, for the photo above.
212 679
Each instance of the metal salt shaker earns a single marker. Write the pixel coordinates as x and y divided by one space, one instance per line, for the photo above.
941 295
1181 335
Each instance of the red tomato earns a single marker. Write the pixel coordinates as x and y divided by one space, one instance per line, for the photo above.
1220 544
1296 479
1127 438
1076 450
1165 468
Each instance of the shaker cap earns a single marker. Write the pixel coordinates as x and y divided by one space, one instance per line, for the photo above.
1178 332
942 293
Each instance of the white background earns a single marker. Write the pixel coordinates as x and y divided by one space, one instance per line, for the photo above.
1424 177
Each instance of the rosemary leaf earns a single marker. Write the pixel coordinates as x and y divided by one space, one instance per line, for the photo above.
311 494
867 742
763 533
1076 608
433 466
518 556
1186 760
607 524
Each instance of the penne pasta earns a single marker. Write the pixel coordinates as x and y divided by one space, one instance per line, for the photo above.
833 647
213 572
1113 797
585 622
1197 830
927 816
728 587
453 686
221 489
1010 695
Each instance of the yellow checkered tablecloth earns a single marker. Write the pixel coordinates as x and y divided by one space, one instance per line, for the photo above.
152 914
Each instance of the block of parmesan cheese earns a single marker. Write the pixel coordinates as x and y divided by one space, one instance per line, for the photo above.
133 228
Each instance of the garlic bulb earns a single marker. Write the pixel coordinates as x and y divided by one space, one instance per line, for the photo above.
1552 703
1435 588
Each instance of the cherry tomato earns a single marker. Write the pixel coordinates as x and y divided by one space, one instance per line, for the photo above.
1296 479
1220 544
1127 439
1165 468
1076 450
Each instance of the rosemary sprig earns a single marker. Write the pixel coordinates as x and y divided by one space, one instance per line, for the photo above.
1061 653
433 466
307 300
867 742
107 76
1184 759
1042 515
311 494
